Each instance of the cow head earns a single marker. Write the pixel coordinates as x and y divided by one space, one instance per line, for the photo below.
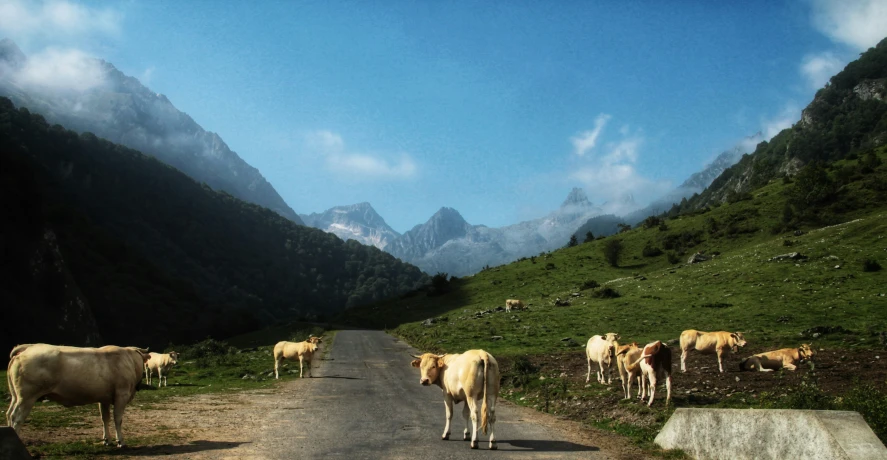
626 348
611 337
738 341
173 357
429 366
805 352
315 340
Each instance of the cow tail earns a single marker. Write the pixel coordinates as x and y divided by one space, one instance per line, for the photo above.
485 408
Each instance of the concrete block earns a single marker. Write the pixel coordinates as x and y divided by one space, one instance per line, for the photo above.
11 447
778 434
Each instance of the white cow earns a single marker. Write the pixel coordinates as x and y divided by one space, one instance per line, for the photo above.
161 363
472 377
303 351
601 350
73 376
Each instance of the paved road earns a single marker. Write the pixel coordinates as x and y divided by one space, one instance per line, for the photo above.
367 404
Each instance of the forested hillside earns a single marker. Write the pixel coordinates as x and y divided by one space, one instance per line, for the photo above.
149 256
849 115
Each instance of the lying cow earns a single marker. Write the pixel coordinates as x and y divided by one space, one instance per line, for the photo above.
786 358
472 377
709 343
601 350
160 363
303 351
629 370
73 376
514 304
655 364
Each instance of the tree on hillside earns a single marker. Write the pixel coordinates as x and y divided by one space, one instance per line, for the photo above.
612 251
812 186
623 227
589 237
573 241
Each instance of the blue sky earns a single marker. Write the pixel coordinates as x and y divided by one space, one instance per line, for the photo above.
494 108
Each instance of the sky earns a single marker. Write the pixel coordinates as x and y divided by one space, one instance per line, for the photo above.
495 108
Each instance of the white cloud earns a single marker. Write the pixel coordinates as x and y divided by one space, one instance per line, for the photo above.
342 160
860 24
61 70
586 141
819 68
785 119
24 20
613 176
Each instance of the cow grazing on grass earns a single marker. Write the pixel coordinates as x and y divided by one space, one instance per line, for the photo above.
472 377
629 369
303 351
160 363
601 350
514 304
73 376
709 343
655 362
786 358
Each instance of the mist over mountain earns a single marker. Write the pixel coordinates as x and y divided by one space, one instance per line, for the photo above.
359 222
95 96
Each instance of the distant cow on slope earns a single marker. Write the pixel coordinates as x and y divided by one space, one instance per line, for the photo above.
73 376
472 377
514 304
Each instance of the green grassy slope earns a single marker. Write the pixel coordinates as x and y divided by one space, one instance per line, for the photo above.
739 289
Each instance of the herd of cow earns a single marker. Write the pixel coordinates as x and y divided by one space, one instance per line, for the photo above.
73 376
473 376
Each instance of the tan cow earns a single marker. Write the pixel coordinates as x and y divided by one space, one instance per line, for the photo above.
629 370
73 376
514 304
161 363
655 364
472 377
709 343
303 351
601 350
786 358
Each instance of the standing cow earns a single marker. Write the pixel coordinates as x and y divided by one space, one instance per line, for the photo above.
514 304
303 351
73 376
655 364
601 350
160 363
472 377
629 368
709 343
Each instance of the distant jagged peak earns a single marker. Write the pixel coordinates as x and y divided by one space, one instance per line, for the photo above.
576 198
447 214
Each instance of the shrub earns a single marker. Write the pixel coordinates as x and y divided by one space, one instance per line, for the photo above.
573 241
550 266
652 221
871 403
521 371
673 258
606 293
589 237
590 284
651 251
208 348
870 265
440 284
612 250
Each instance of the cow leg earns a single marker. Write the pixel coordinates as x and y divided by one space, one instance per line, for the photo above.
448 407
626 386
13 399
20 412
667 389
300 367
789 366
588 375
684 360
105 412
720 362
119 407
652 386
466 417
276 365
159 377
491 422
473 408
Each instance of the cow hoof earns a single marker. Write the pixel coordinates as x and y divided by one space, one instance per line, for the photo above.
119 445
106 442
465 437
474 445
493 446
445 437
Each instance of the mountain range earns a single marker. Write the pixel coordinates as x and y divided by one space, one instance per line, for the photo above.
119 108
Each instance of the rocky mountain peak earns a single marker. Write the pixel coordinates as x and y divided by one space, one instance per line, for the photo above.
576 198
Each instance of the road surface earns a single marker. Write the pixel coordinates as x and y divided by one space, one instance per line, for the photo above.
366 402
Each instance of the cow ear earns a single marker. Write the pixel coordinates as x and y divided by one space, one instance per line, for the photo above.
416 363
440 362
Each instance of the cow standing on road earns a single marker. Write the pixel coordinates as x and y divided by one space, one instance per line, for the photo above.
73 376
472 377
303 351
